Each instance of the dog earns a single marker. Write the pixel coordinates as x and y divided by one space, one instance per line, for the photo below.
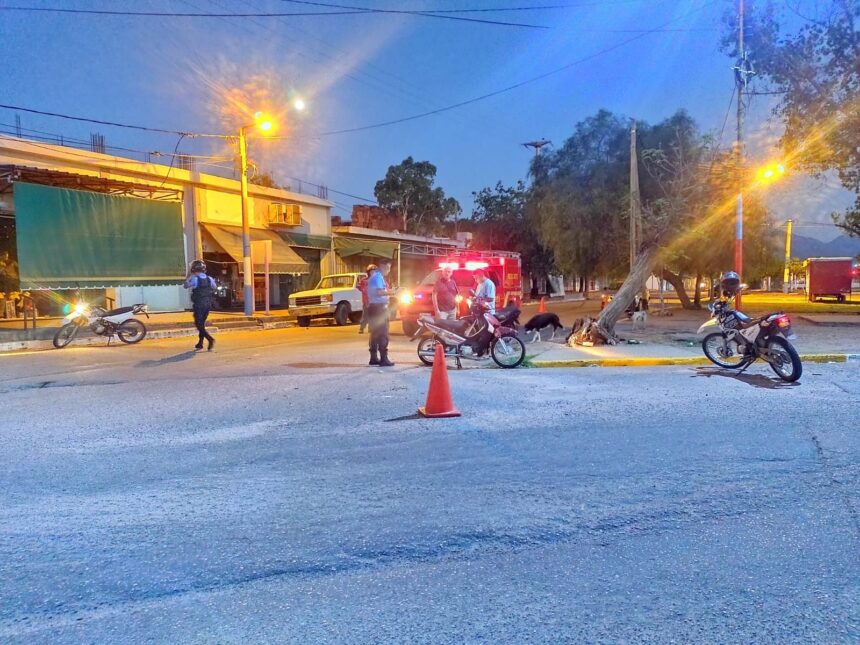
540 322
639 317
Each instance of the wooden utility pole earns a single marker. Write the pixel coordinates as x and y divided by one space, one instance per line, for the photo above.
635 204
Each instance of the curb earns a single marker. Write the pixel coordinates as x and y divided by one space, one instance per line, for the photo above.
691 360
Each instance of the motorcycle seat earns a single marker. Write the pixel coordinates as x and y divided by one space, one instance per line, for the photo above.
456 326
507 314
117 312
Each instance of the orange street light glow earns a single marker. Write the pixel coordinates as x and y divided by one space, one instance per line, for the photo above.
263 122
771 172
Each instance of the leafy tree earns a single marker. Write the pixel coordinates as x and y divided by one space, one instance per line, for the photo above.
408 189
265 179
579 197
502 221
816 71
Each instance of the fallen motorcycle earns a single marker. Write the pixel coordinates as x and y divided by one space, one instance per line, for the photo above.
116 322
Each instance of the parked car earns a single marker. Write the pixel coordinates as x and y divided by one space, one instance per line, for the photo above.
335 296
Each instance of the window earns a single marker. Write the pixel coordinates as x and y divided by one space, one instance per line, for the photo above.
337 282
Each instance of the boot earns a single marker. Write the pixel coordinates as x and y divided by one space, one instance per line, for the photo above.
383 360
374 357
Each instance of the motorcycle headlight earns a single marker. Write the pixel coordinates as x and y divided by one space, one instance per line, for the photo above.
80 308
406 298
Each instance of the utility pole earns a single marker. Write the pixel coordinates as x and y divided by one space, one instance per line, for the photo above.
635 205
247 266
742 73
537 145
786 276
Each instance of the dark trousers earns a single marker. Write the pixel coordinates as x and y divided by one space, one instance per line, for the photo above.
201 313
378 321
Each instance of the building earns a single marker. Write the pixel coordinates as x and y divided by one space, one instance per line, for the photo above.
127 229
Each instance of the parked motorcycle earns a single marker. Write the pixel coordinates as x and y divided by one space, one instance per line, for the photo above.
734 340
478 336
116 322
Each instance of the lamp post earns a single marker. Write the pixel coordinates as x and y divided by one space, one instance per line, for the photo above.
264 124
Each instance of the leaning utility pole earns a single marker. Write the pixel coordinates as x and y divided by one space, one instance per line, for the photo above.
742 74
635 204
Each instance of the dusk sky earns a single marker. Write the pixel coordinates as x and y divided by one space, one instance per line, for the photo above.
189 74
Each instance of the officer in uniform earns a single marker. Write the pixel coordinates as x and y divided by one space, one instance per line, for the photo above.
377 297
202 290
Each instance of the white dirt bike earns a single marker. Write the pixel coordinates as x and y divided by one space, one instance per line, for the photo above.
116 322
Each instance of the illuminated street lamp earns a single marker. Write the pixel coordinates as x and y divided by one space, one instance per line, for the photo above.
299 104
264 124
765 175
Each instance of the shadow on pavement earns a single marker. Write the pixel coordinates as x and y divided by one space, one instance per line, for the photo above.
176 358
756 380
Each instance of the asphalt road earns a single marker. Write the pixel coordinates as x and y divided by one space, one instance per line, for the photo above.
278 490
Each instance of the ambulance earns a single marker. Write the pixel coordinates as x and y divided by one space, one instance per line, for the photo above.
503 268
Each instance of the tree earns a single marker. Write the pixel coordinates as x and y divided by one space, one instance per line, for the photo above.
265 179
502 221
579 197
408 189
816 71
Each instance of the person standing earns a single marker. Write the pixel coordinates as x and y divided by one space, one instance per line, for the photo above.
445 295
486 290
362 287
202 290
377 298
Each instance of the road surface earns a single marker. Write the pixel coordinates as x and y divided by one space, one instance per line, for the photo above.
278 490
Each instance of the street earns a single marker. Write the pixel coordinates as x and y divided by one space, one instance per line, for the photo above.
279 490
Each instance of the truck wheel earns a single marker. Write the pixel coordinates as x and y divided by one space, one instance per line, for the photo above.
304 321
341 314
409 327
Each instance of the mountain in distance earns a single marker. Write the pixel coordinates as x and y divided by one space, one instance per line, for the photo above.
841 246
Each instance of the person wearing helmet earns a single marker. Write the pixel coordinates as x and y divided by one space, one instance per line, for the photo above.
202 289
362 287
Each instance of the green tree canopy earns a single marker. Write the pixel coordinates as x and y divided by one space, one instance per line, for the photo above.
408 188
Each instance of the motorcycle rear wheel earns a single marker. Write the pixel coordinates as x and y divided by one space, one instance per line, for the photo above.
787 364
719 352
427 350
65 334
508 352
131 331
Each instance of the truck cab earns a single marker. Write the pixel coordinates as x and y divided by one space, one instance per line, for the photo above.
502 267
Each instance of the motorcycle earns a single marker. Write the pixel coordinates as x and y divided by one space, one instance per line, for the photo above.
734 340
478 336
116 322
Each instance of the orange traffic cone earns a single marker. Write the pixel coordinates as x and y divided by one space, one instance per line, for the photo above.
542 306
439 402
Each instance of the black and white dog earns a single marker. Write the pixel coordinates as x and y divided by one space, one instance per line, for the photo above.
542 321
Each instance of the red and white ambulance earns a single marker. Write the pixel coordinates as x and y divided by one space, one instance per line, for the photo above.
503 268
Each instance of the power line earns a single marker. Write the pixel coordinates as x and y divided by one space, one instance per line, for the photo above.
111 123
424 14
515 86
337 192
275 14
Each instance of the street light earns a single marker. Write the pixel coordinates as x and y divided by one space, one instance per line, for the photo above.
263 123
764 175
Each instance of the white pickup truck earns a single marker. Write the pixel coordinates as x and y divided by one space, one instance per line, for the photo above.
336 296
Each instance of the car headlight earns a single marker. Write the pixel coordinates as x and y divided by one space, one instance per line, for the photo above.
292 302
328 298
458 298
406 298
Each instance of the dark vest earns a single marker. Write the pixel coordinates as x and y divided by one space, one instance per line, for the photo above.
203 292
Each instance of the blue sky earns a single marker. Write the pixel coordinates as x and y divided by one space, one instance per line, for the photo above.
355 70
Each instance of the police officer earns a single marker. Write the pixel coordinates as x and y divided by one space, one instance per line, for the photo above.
377 297
202 290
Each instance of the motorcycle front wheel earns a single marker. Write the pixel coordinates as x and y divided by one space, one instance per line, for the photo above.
131 331
65 334
427 349
784 359
722 352
508 351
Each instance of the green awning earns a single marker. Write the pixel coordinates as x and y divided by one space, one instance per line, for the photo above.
284 259
75 238
349 246
321 242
